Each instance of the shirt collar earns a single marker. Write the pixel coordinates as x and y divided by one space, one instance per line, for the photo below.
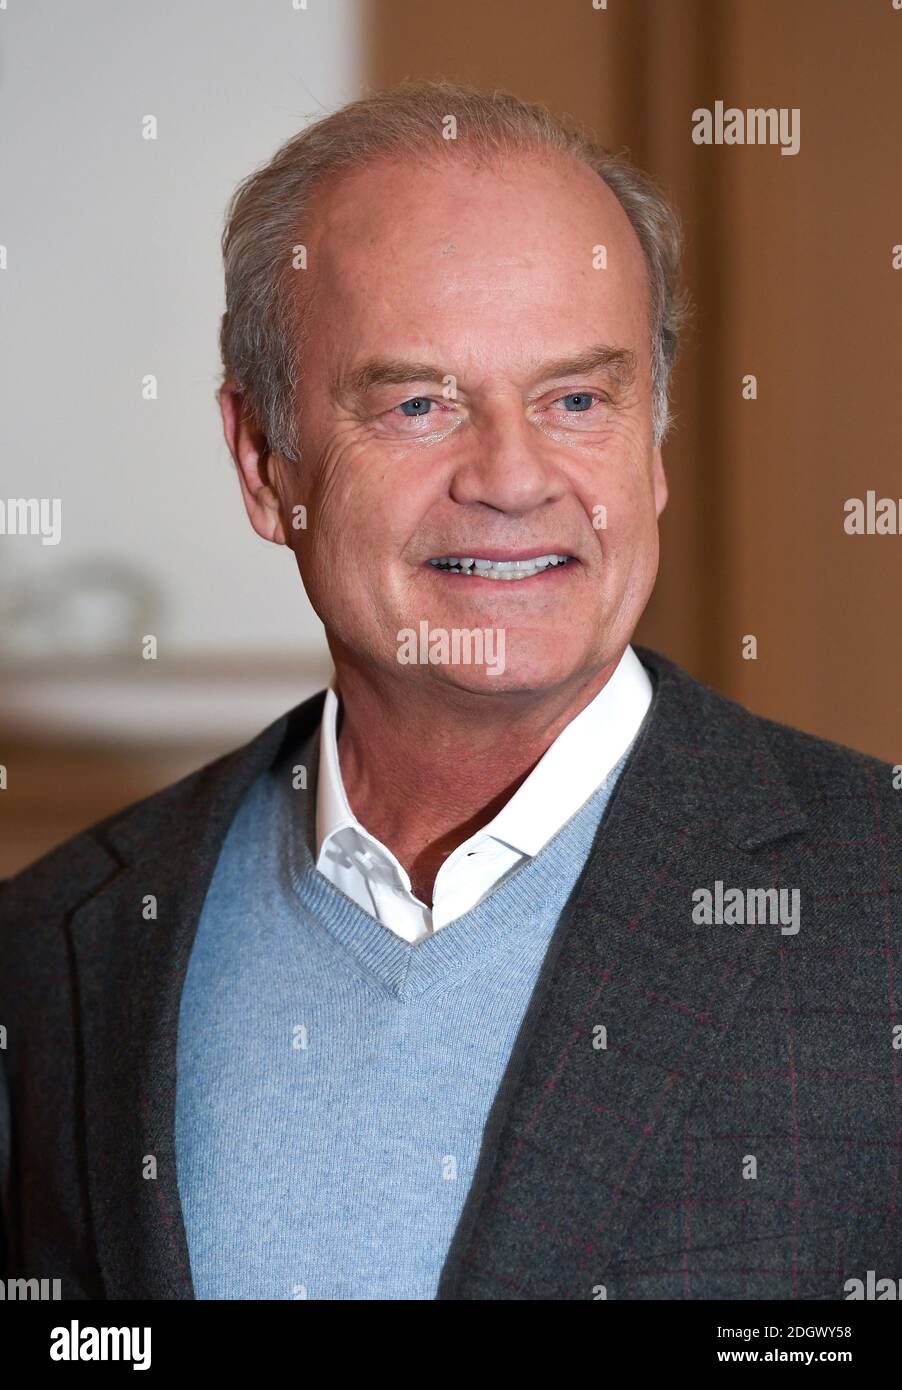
333 810
575 765
572 768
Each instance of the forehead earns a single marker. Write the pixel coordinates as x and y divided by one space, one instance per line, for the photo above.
444 239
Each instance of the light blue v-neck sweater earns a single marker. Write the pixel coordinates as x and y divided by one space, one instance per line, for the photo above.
333 1082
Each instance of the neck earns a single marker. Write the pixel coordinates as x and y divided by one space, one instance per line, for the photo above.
425 766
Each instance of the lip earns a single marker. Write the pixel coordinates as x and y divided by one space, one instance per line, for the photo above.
493 553
554 574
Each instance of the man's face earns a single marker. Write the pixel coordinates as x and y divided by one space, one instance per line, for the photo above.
445 415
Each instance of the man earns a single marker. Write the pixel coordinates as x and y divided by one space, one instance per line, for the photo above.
518 964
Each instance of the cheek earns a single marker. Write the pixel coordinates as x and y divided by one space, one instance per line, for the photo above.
362 510
337 500
619 503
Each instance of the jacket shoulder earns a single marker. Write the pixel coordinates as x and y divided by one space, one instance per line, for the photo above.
829 779
64 876
854 794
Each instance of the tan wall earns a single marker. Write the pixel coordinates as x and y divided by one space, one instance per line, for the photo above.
789 263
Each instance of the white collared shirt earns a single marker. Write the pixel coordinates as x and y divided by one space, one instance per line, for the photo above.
563 779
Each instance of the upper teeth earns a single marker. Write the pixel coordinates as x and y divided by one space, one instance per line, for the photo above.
499 569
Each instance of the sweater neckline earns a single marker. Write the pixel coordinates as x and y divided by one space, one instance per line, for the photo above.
504 920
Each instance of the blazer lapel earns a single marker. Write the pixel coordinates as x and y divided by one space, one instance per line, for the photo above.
585 1118
130 968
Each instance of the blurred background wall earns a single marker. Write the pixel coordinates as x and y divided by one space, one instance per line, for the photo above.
113 274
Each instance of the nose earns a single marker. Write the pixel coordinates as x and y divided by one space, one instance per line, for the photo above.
506 462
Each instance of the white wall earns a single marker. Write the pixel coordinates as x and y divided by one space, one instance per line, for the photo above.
114 271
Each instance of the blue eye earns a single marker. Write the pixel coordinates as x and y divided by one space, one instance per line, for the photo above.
421 405
583 398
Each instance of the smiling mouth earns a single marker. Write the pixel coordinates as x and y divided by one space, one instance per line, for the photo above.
500 569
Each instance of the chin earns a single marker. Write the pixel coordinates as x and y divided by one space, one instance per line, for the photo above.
510 678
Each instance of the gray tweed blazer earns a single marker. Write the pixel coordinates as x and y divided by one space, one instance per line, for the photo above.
693 1109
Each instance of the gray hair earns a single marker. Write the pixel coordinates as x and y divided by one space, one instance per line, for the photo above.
264 326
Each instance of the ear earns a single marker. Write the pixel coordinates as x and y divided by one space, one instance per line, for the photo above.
659 481
257 467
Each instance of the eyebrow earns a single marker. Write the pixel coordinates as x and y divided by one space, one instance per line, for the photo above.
619 363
